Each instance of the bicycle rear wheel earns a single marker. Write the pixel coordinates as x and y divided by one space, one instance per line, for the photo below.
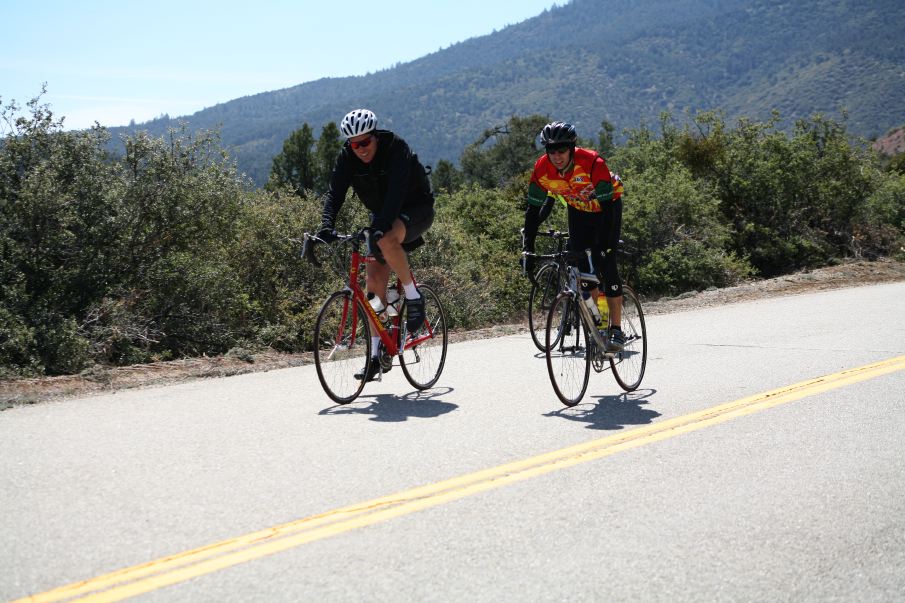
342 346
424 351
544 290
567 349
629 364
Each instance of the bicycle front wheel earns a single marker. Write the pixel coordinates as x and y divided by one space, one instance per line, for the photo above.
342 347
629 364
544 290
567 349
424 351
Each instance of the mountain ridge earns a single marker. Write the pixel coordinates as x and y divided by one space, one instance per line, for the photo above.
590 60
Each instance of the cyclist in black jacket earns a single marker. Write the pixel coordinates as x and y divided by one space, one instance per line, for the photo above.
391 182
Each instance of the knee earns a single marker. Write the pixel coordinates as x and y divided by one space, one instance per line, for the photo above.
393 237
387 243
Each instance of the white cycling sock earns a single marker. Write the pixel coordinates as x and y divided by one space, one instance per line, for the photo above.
411 292
375 346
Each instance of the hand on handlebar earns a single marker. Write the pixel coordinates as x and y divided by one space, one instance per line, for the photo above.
324 235
327 235
372 236
527 263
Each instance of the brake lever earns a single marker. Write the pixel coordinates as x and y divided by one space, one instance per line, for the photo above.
308 249
525 272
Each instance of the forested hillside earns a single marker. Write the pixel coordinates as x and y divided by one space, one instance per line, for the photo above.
625 61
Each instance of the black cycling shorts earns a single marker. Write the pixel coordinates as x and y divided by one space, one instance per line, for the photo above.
600 232
417 220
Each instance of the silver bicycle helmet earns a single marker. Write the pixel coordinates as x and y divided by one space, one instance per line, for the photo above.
558 132
357 122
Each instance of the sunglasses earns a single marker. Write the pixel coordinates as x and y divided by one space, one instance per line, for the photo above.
558 148
361 144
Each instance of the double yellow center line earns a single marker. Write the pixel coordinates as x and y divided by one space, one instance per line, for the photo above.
177 568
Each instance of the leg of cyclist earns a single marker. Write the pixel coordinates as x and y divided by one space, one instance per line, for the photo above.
391 247
396 259
409 226
377 279
583 229
608 271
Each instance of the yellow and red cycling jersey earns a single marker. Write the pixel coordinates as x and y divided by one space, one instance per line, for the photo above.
587 186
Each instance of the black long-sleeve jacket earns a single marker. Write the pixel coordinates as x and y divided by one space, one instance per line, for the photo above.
393 180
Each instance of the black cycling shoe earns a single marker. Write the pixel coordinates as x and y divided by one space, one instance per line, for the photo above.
374 371
616 340
414 314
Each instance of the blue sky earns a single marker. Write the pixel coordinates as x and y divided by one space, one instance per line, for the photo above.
113 61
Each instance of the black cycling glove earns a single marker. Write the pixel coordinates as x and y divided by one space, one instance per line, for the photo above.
327 235
373 236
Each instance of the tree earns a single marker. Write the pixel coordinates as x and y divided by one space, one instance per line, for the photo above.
294 166
446 178
116 260
326 150
606 138
512 152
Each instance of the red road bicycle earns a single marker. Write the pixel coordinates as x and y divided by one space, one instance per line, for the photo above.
342 331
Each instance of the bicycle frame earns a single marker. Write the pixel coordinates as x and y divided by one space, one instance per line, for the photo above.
575 278
358 294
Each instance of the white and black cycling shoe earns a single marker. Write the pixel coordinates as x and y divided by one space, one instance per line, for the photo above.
616 340
385 363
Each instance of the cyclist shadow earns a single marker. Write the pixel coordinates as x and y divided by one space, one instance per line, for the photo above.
390 408
611 412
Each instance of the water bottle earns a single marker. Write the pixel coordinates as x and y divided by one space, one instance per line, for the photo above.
592 306
378 306
393 302
604 309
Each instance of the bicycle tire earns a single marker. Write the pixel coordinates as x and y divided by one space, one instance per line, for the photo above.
629 364
547 285
423 363
567 349
342 346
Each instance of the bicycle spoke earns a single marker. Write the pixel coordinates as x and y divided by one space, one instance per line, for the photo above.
568 361
546 287
629 364
342 347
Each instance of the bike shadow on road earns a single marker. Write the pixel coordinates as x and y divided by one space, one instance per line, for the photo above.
611 412
390 408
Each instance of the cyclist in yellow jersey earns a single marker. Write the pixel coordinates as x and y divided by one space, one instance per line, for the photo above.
582 180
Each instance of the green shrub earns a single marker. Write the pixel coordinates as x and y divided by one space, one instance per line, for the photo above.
167 252
879 225
472 255
674 224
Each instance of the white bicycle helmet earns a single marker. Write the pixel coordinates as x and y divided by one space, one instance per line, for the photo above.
358 122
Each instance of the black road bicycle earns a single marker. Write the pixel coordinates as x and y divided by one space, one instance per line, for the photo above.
573 343
548 280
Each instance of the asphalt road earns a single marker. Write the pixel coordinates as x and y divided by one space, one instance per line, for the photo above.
696 487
